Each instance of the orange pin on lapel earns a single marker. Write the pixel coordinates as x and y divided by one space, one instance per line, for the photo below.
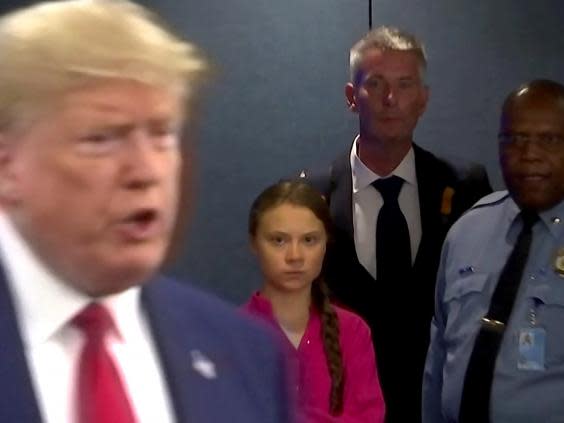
559 262
446 203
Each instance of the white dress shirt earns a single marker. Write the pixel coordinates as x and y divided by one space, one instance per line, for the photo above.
367 202
44 307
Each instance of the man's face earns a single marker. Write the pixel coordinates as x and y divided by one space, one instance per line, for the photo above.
388 95
93 184
532 152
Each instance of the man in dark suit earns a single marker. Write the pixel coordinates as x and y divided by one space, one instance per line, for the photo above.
369 269
94 96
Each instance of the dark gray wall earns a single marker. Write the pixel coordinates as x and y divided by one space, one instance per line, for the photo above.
277 104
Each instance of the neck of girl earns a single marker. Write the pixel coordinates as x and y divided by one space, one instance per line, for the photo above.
291 310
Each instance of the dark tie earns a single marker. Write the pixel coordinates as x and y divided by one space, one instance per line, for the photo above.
393 248
101 397
475 401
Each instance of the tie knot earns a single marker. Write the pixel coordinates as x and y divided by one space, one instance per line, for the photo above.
389 187
529 218
94 319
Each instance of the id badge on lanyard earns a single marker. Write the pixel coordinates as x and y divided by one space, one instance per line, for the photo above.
532 344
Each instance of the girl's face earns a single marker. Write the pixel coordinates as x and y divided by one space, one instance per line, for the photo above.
290 243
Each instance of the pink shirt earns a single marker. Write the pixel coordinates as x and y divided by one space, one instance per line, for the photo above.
363 400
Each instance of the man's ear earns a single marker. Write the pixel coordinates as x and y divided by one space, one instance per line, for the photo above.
424 99
3 148
7 174
350 96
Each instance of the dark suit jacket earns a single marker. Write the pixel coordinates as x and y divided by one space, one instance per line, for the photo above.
398 312
250 385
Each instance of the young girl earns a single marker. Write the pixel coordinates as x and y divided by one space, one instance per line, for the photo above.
330 348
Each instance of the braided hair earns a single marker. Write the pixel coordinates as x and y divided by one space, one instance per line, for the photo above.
331 345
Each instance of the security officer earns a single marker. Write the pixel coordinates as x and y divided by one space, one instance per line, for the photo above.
497 348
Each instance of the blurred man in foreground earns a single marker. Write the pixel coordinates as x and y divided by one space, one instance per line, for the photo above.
93 98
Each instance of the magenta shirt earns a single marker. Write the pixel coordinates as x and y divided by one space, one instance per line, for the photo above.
363 400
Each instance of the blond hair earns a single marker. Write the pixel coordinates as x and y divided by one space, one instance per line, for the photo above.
56 46
386 38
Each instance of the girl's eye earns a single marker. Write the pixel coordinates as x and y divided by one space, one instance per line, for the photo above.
277 240
311 240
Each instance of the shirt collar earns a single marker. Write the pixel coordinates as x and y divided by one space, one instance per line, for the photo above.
552 218
362 176
259 304
44 302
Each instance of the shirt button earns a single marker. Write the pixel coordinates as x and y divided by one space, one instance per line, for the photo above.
532 277
307 342
556 220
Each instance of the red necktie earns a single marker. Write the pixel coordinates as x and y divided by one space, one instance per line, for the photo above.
101 397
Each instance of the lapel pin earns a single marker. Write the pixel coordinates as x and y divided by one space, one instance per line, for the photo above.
203 365
559 262
465 270
446 203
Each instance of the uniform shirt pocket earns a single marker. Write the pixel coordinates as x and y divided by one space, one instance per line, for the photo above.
465 303
549 300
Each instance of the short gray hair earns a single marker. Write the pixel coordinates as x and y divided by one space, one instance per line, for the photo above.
387 38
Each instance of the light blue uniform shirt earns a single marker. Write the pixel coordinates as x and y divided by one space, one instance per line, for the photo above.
473 256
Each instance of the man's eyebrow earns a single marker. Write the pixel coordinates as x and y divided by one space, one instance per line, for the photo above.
369 77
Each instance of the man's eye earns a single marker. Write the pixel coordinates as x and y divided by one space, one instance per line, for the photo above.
166 141
373 83
511 138
520 138
99 143
165 136
551 139
98 138
404 84
163 130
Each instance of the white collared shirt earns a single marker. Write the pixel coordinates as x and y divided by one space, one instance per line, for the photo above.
44 307
367 202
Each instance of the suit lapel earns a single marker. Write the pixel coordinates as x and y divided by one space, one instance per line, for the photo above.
430 188
344 247
17 402
189 354
173 348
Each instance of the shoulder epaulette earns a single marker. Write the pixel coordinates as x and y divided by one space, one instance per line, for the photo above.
491 199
